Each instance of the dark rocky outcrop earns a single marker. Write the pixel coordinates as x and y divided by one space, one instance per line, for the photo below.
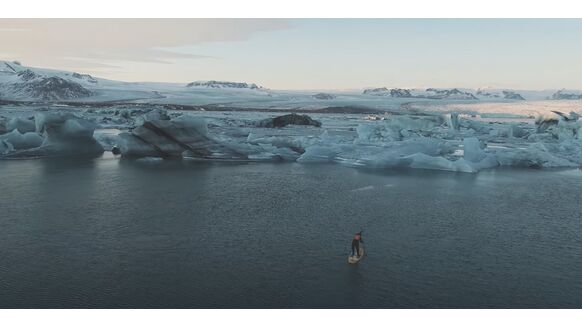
27 75
86 77
289 119
52 88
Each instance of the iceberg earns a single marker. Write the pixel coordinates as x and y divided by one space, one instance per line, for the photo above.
20 124
171 138
19 140
57 134
453 121
534 156
5 147
473 150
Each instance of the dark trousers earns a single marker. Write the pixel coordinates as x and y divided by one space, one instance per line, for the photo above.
355 247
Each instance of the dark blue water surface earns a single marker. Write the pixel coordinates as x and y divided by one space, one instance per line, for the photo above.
107 233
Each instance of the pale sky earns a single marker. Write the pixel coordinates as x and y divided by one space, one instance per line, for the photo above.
307 53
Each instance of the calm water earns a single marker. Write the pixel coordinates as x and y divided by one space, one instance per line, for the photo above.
107 233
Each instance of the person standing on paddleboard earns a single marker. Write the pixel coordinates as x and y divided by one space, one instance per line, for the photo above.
356 243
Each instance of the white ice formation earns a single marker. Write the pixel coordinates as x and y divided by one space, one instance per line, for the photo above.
55 134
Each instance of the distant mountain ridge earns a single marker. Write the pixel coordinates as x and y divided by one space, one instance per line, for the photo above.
19 83
430 93
504 94
223 84
434 93
562 95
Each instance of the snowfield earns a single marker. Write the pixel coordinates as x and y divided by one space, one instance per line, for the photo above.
46 113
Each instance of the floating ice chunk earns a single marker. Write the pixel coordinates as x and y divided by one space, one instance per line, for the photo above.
163 139
453 120
568 129
153 115
20 140
544 121
277 141
473 150
535 156
71 129
562 126
377 132
267 148
64 135
171 138
423 161
192 122
397 128
541 137
107 138
387 155
46 120
385 159
429 146
280 153
3 123
518 131
70 136
414 123
318 154
570 150
5 147
23 140
20 124
477 126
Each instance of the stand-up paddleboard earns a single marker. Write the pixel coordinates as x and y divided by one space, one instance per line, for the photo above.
355 259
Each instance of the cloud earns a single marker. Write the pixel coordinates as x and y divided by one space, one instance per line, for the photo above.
105 42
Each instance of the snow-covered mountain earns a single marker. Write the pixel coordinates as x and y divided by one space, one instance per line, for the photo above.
449 94
21 83
45 88
565 95
503 94
395 92
430 93
223 84
30 84
18 82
